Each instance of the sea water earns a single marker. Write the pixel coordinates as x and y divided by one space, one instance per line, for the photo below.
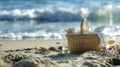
47 19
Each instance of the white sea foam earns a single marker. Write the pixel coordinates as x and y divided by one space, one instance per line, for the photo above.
29 36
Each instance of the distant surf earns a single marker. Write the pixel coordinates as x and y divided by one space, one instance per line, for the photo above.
50 11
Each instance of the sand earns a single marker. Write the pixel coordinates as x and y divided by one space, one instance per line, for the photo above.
17 44
47 53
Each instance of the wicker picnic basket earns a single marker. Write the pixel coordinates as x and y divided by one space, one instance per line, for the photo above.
83 41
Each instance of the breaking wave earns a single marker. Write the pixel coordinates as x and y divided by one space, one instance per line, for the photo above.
61 14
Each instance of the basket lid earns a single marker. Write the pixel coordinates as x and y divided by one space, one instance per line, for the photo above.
85 33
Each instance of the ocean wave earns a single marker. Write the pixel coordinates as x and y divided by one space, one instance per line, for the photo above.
61 14
40 14
30 36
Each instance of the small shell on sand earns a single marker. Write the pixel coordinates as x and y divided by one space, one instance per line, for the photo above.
42 49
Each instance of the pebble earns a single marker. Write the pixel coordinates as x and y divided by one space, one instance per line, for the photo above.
57 42
59 47
114 61
52 49
28 49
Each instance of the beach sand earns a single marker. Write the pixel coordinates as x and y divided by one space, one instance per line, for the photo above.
18 44
47 53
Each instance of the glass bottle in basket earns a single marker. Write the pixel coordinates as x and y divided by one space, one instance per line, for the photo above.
110 41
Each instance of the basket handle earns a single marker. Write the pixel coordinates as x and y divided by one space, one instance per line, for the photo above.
87 25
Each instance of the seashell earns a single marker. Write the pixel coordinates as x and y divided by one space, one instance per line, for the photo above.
70 30
42 49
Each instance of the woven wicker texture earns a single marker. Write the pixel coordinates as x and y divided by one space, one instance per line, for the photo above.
83 41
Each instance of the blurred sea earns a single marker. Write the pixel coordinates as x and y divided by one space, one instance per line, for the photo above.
47 19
